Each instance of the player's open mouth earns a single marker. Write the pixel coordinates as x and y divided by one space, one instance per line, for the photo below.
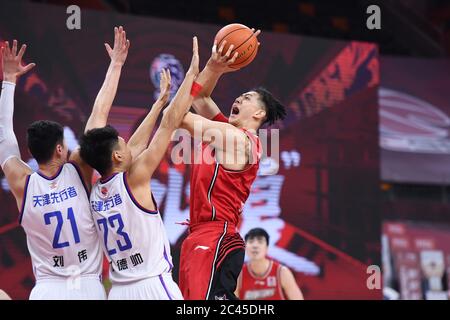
235 111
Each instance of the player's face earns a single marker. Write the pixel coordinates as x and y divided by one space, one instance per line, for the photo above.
245 107
256 248
123 154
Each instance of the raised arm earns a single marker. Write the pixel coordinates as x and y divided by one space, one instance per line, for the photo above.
16 171
231 144
139 140
105 96
107 93
218 64
142 169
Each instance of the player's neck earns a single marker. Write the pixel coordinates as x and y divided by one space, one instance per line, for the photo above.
249 125
110 173
50 168
259 267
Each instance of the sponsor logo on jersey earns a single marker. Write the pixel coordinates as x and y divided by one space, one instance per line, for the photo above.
259 294
104 191
201 247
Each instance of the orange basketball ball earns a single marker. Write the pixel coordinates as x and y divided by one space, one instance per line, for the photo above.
245 43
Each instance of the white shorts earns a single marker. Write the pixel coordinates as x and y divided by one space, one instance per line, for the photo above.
82 288
155 288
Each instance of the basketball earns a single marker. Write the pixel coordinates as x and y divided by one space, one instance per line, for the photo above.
244 41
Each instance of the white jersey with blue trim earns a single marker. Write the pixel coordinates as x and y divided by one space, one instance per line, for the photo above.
61 234
134 238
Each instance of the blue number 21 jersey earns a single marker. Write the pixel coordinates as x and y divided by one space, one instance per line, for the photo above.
61 234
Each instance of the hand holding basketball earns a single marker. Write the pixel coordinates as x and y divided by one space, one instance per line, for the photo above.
235 46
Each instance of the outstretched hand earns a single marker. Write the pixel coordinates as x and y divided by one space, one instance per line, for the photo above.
193 68
164 86
119 53
12 62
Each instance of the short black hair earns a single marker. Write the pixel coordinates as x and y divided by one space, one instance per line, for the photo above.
42 138
275 110
257 233
96 147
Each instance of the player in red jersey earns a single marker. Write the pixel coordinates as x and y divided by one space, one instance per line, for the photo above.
262 278
213 253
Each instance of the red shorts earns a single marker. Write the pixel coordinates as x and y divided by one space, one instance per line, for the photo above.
206 251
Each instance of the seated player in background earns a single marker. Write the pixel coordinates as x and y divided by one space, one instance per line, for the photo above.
262 278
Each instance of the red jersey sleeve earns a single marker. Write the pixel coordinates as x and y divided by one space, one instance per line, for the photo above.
220 117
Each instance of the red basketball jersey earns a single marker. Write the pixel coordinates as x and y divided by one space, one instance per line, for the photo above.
266 287
217 193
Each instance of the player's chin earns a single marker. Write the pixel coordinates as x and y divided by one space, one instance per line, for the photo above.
233 120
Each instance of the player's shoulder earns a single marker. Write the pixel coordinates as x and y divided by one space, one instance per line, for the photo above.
246 271
255 142
284 272
72 170
278 266
71 166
